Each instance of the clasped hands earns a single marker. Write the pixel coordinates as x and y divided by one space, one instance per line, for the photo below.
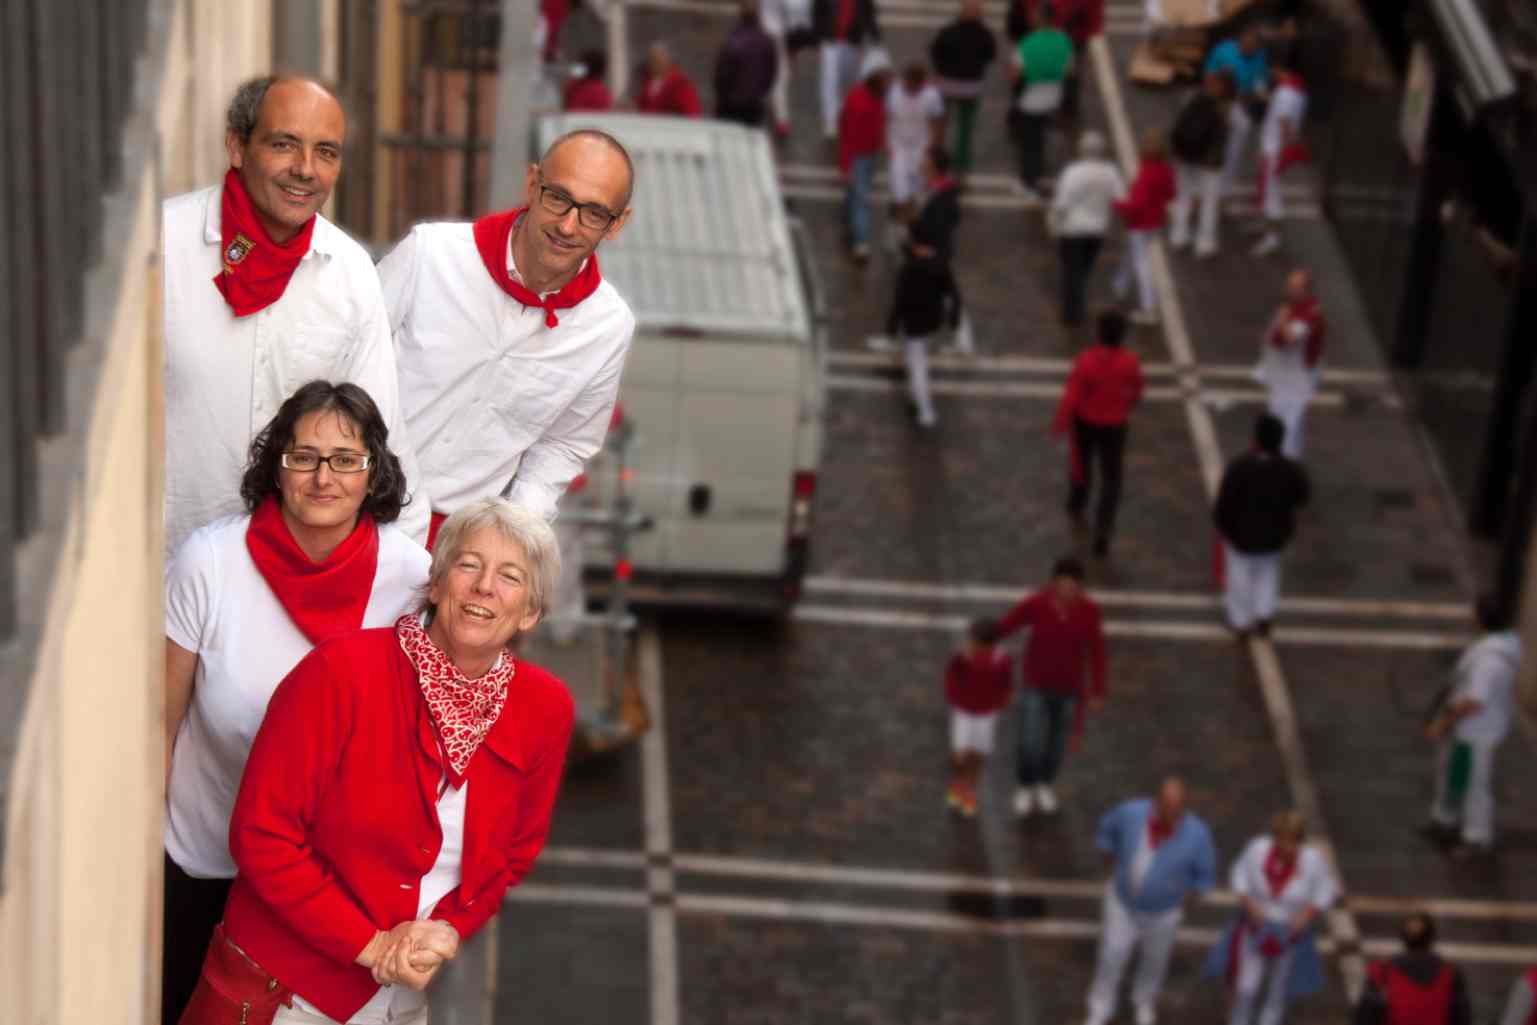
411 953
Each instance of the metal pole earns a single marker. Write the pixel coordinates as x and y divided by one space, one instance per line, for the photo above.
518 66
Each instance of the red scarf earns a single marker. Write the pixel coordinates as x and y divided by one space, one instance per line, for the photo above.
323 598
1279 870
463 710
256 269
1158 830
491 234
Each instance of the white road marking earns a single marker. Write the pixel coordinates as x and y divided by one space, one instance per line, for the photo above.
1049 365
1113 598
1328 637
656 798
1041 390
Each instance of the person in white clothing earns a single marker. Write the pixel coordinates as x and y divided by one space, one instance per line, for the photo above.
1280 146
1282 886
777 17
1468 729
1087 192
1290 356
1159 856
510 343
246 597
915 117
262 294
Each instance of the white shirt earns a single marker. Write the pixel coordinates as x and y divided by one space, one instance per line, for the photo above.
1287 103
218 605
1311 884
392 1002
1284 371
1085 195
226 376
491 394
1142 861
910 116
1486 673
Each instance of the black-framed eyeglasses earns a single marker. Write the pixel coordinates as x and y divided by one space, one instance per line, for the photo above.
339 462
592 216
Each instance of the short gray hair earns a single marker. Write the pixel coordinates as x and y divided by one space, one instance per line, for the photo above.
518 524
240 119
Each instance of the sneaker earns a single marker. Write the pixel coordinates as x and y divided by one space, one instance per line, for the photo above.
953 797
1267 245
1024 801
962 338
969 806
1046 798
1179 242
1147 1014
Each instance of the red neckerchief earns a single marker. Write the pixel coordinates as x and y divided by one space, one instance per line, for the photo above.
256 269
1279 870
463 710
491 234
1292 79
846 11
1158 830
940 184
1308 309
323 598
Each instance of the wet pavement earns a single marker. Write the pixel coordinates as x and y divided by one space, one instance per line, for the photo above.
780 852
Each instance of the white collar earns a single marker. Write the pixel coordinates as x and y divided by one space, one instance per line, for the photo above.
512 264
322 240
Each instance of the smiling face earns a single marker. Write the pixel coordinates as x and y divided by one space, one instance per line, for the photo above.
483 601
290 163
319 503
549 248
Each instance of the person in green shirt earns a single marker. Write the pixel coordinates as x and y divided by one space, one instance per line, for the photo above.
1041 64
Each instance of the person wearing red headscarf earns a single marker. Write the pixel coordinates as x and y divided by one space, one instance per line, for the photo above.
402 780
262 294
510 342
314 556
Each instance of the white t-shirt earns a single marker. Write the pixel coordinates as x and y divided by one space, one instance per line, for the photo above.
910 116
218 605
1086 195
1311 883
1486 673
1287 103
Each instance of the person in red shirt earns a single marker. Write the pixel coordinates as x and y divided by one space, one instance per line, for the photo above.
1145 211
861 141
977 684
1066 637
402 779
664 88
1104 387
590 91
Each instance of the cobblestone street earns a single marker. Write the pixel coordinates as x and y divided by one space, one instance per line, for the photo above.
778 848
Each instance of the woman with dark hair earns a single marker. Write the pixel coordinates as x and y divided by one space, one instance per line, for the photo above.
247 597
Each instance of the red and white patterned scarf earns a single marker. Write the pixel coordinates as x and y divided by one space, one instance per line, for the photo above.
463 710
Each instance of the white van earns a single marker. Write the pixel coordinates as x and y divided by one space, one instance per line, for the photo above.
725 380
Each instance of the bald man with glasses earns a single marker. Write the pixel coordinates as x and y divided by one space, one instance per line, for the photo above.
509 342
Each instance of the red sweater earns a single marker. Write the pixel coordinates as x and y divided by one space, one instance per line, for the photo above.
1061 640
979 685
674 94
335 823
1103 388
1146 205
861 126
588 94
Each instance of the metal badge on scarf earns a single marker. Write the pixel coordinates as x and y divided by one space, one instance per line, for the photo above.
236 251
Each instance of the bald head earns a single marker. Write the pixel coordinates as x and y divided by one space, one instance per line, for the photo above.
284 137
1171 799
289 91
1299 285
598 159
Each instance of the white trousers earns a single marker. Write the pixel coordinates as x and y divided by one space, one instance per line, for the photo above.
838 68
1134 267
1239 127
1272 203
570 599
294 1016
1195 184
779 97
1254 969
917 353
971 732
1253 583
906 179
1475 812
1121 931
1290 407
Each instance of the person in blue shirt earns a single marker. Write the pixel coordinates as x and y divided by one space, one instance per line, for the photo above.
1158 854
1243 58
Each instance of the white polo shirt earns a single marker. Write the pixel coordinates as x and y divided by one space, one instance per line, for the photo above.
218 605
1311 883
226 376
491 394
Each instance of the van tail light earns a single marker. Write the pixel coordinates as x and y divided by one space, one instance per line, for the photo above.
803 490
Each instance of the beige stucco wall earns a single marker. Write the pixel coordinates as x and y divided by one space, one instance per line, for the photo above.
80 910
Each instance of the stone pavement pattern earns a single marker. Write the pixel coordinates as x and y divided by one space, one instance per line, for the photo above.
814 746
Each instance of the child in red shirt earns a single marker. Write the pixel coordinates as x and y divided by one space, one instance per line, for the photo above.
977 684
1145 211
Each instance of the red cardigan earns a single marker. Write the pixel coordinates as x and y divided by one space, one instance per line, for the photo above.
1146 206
979 686
335 823
1103 388
1060 642
861 126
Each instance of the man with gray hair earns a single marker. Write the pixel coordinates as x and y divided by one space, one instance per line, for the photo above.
510 343
263 294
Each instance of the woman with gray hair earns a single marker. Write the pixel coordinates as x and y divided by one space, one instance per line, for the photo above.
1087 192
402 780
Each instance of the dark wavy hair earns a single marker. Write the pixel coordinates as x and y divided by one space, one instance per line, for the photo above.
386 481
